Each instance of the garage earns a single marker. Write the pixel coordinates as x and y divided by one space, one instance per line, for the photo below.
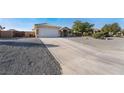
48 32
45 30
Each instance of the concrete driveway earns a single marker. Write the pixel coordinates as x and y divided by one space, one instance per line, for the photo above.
76 58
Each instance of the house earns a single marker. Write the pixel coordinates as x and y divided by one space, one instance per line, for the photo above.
119 34
65 31
29 34
12 30
6 34
46 30
95 30
14 33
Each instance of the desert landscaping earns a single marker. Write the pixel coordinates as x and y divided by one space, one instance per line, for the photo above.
55 56
26 57
49 49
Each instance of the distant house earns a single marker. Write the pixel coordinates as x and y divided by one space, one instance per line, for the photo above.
95 30
12 30
46 30
120 34
29 34
6 34
11 33
65 31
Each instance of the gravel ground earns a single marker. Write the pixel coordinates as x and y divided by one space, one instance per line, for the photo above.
27 57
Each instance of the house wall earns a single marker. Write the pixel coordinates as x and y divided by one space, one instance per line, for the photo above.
10 34
29 34
6 34
19 33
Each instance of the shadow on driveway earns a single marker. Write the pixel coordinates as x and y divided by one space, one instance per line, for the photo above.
25 44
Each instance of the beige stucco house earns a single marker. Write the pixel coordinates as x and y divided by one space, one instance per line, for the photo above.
46 30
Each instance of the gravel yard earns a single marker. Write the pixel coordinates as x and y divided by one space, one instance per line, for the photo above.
27 57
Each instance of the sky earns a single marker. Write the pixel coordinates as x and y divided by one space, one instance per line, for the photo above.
26 24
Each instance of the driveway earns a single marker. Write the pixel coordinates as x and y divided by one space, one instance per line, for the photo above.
77 58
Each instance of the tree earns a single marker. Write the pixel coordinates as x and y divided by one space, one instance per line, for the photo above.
86 27
77 26
1 28
115 28
111 29
80 27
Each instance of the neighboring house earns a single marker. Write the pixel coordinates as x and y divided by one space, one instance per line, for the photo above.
95 30
46 30
65 31
14 33
12 30
29 34
24 34
6 34
120 34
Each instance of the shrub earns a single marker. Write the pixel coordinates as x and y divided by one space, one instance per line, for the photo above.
87 34
100 35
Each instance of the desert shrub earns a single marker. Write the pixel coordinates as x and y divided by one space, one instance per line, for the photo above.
87 34
100 35
77 34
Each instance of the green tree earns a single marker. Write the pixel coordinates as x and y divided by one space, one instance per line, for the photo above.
1 28
111 29
108 30
81 27
115 28
77 26
87 27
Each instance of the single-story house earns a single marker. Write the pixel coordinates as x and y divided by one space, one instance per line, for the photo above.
95 30
29 34
6 34
46 30
14 33
65 31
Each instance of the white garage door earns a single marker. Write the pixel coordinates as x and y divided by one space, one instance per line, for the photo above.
48 32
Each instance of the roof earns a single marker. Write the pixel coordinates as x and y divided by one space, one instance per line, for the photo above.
45 25
65 28
11 30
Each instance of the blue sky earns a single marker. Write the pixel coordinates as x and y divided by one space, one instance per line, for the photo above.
27 23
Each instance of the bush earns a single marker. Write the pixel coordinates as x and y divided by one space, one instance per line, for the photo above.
87 34
100 35
77 34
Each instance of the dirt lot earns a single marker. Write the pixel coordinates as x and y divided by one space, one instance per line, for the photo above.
27 57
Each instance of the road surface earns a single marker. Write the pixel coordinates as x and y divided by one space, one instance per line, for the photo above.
76 58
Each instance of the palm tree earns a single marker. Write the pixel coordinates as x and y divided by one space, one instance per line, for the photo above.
1 28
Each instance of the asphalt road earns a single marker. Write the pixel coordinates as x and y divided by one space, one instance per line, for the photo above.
26 57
